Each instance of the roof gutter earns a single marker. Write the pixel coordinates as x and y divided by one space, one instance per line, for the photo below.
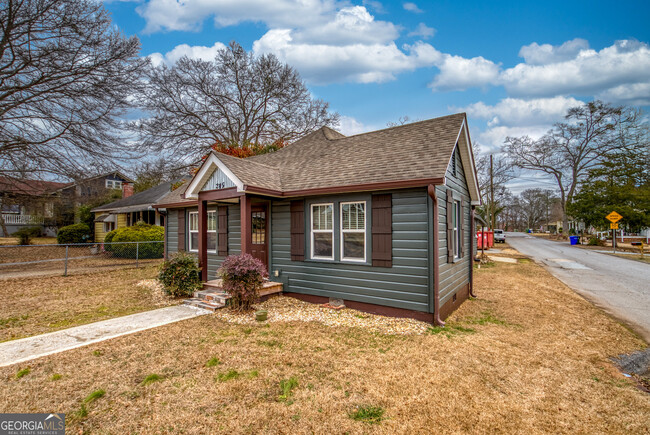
431 190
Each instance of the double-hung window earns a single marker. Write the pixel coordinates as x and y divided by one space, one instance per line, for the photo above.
211 230
353 231
457 216
322 231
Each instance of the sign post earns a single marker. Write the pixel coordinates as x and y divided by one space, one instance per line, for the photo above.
614 217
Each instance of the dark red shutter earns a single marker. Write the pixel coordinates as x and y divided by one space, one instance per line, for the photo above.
450 227
181 229
297 230
461 229
222 230
382 230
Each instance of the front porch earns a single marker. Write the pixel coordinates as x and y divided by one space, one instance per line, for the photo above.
213 297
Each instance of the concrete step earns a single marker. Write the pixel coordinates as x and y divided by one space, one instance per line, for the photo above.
201 303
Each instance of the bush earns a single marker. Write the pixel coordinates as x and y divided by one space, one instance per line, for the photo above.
595 241
180 275
25 235
76 233
136 233
242 277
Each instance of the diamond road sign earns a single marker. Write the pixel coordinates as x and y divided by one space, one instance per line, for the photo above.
614 217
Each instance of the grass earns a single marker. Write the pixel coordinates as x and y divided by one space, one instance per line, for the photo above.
94 396
35 241
22 372
212 362
286 388
368 414
32 306
150 379
523 358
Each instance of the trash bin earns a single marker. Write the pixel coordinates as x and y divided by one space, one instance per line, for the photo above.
574 239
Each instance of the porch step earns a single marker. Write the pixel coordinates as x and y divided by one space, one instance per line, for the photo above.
201 303
212 297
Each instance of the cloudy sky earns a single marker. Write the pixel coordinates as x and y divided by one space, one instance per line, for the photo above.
514 67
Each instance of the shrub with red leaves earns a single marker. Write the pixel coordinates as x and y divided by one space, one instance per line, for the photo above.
242 277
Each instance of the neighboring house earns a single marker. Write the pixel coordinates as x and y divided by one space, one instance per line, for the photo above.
382 220
127 211
28 203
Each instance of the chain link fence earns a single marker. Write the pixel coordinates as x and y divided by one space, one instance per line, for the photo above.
33 260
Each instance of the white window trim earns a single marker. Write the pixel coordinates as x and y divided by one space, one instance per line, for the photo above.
111 224
113 184
365 232
312 231
190 230
214 212
458 216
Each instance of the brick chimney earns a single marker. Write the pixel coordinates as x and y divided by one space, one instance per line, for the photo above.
127 190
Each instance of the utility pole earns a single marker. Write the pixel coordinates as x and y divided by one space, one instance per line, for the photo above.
492 210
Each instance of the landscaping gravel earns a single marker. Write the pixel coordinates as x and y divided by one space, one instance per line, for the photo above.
287 309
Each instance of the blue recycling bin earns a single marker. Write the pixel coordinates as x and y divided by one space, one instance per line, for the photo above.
574 239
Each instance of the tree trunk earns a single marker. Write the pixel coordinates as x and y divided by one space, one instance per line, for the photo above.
3 225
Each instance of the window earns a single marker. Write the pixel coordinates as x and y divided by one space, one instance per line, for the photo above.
353 231
113 184
457 216
211 230
109 226
322 231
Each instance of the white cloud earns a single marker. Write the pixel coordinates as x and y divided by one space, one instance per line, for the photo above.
189 15
535 54
350 126
423 30
412 7
193 52
635 94
362 63
493 137
588 73
376 6
349 25
459 73
511 112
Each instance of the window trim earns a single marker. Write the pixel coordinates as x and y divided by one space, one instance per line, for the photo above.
112 184
312 231
190 230
457 216
112 224
365 232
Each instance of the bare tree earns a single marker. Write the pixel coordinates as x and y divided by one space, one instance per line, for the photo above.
237 98
494 172
571 148
66 75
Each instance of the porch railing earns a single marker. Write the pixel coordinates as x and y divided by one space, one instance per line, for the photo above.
22 219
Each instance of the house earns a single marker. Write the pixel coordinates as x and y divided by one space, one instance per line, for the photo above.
127 211
382 220
88 190
27 203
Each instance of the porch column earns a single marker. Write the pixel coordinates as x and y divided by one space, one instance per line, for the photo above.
245 209
203 239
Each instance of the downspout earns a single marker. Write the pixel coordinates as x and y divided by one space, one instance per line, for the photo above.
436 258
472 238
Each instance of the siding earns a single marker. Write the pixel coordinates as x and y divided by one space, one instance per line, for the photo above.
99 227
453 276
404 285
214 260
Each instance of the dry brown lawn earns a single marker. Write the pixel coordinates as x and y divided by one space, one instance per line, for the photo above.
35 241
527 356
33 306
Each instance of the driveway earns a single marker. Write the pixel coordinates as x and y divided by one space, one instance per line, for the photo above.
619 286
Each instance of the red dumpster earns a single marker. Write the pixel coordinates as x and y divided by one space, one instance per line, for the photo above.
485 238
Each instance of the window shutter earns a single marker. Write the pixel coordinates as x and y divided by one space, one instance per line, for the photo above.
461 228
450 227
382 230
181 229
297 230
222 230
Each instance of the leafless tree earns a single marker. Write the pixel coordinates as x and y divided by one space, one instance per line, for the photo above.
494 172
236 98
66 75
571 148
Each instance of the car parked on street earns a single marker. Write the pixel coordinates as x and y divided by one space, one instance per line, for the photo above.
499 236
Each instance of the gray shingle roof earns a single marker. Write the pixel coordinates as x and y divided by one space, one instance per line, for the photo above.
327 159
139 201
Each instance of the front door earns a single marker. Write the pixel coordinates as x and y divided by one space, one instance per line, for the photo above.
260 234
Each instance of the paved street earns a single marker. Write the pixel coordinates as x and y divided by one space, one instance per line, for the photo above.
618 285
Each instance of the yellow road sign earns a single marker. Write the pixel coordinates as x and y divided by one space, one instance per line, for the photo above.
613 226
613 217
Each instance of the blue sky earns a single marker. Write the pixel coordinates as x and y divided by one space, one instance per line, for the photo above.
514 67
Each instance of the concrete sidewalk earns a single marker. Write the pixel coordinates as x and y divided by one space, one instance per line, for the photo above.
25 349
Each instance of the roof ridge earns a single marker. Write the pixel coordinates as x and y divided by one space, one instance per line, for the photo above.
406 125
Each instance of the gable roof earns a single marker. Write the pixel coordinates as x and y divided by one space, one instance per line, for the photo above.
410 155
28 187
136 202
